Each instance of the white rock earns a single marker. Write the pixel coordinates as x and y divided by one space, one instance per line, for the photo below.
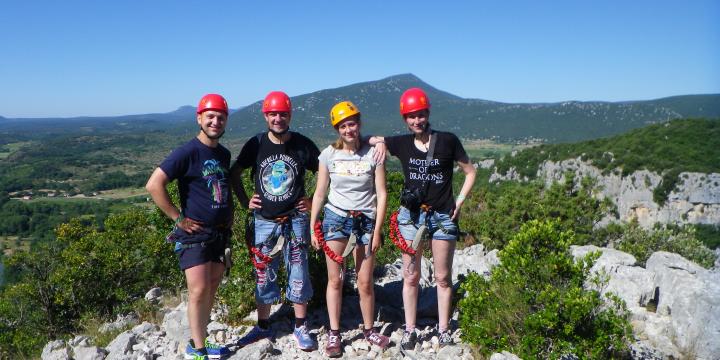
176 324
691 296
349 350
143 328
253 351
632 284
55 350
504 356
121 345
450 352
154 294
89 353
696 199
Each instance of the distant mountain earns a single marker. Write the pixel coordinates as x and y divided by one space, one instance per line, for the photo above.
28 128
475 118
378 100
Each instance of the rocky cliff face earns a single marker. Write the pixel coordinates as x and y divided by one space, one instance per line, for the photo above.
695 200
674 303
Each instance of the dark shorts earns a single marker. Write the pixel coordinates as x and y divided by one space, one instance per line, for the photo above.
207 246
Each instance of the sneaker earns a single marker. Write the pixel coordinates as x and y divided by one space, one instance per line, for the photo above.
215 351
334 345
256 334
445 337
303 339
409 340
378 339
192 353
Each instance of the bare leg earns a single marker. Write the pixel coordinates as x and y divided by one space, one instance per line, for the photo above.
364 268
443 252
198 280
411 279
216 273
333 293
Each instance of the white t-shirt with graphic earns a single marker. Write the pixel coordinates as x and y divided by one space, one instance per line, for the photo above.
352 180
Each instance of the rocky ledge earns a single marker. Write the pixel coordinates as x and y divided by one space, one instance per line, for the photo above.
675 307
695 199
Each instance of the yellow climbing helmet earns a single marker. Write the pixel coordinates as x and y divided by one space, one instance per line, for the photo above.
342 111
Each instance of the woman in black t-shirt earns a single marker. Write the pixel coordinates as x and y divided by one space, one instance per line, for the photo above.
428 211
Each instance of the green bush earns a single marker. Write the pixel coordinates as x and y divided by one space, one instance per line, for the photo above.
85 271
642 243
709 235
504 208
534 304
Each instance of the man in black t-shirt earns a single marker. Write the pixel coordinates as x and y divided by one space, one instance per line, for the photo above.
429 180
278 159
202 224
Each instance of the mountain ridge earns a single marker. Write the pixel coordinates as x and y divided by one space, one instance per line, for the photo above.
552 122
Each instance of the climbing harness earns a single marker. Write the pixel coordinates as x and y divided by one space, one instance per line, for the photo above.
352 239
422 234
277 248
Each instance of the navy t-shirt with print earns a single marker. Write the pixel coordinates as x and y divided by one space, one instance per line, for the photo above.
279 170
203 181
439 173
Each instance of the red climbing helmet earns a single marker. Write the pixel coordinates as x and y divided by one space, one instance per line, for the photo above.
412 100
212 102
276 101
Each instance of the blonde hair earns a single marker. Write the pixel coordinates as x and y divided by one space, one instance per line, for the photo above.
338 144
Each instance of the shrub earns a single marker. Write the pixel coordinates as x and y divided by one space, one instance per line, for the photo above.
534 303
642 243
504 208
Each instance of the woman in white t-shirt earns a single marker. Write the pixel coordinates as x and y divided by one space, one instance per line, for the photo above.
353 218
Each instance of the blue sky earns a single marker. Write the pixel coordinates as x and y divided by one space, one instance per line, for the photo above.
73 58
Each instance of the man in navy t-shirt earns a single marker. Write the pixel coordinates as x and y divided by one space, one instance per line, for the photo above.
202 224
279 159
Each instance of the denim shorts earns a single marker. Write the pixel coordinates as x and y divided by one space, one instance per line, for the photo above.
336 226
439 225
295 256
209 246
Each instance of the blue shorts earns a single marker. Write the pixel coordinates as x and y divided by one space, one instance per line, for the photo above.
336 226
439 225
208 245
295 256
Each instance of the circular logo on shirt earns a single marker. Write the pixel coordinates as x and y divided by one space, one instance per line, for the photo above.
277 178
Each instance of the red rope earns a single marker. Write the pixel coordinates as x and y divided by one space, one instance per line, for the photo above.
264 259
397 237
321 239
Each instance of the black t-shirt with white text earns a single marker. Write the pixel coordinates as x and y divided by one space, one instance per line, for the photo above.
203 181
438 174
279 170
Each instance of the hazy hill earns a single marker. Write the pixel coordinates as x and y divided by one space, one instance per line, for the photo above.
672 147
378 100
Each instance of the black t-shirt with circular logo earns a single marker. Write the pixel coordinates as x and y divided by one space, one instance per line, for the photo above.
438 174
279 170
